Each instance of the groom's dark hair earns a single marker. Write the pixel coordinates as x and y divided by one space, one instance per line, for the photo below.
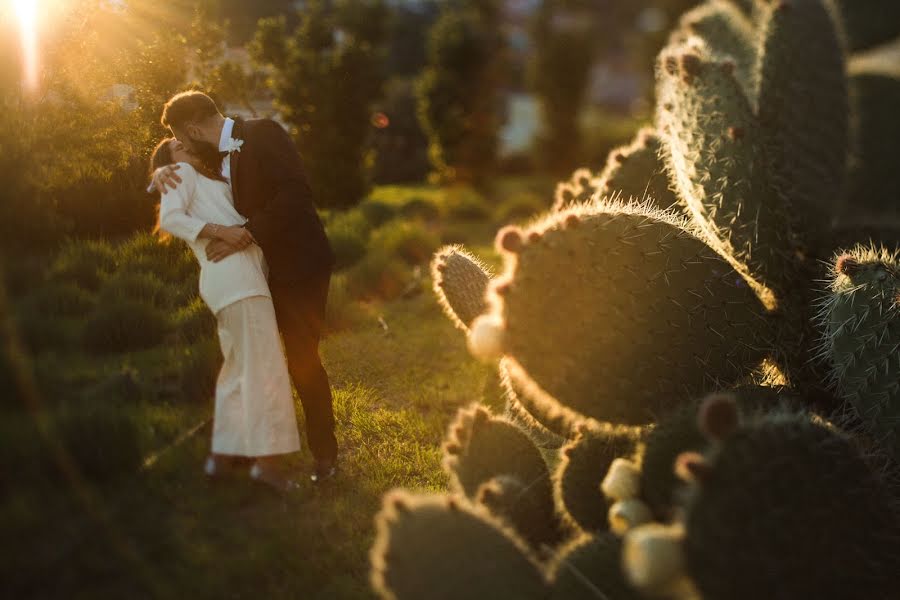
188 106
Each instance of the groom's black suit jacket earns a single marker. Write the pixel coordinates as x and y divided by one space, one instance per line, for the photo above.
271 190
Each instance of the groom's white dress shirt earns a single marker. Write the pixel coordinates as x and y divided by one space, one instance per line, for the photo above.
185 210
227 129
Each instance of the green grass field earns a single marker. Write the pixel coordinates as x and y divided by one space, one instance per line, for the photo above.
399 373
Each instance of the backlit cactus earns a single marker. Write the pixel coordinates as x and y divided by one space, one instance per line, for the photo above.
443 548
633 173
460 282
644 308
585 462
860 321
782 505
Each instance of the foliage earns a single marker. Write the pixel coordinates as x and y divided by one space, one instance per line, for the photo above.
327 74
564 53
124 325
409 241
457 92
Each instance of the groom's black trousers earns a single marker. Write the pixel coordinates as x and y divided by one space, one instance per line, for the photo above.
300 311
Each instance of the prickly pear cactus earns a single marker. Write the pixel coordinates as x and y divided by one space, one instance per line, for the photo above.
634 172
770 497
590 568
585 462
443 548
460 282
860 323
643 308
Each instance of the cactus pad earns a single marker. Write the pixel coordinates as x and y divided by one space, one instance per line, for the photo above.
774 495
860 323
585 462
643 311
460 282
443 549
589 568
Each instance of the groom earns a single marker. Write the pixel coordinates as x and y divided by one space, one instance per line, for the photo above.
269 188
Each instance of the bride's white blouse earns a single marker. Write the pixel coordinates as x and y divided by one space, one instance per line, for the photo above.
185 210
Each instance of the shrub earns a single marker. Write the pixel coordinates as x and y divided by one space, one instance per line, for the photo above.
343 310
198 369
195 322
348 234
146 288
119 387
170 259
84 262
102 441
39 332
465 204
123 326
417 207
519 207
377 276
407 240
60 298
377 213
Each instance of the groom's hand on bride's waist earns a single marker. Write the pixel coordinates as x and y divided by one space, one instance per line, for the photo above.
216 250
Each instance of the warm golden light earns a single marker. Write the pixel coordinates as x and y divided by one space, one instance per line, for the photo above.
26 11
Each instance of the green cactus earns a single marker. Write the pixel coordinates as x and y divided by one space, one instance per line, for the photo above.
679 432
728 34
714 153
510 500
589 568
480 446
460 282
442 548
803 85
613 336
585 462
870 22
632 172
860 324
782 505
874 177
581 187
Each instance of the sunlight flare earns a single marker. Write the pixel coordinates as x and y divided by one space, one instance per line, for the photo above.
26 12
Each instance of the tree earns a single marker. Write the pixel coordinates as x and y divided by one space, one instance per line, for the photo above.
457 93
565 45
326 76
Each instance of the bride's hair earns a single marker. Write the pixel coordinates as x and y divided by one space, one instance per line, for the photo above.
162 156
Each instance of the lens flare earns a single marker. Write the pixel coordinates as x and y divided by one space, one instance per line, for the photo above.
26 11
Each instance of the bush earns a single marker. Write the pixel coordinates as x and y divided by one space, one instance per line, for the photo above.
465 204
377 213
119 387
170 259
407 240
85 263
343 310
417 207
102 441
519 207
40 333
123 326
198 370
146 288
377 276
195 322
348 234
60 299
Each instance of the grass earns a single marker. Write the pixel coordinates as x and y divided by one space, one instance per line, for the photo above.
396 389
399 371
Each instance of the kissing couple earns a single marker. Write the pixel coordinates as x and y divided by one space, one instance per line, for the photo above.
236 192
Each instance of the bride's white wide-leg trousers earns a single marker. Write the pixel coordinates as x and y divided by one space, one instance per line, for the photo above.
254 413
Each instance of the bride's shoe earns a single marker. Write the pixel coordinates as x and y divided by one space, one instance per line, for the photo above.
273 479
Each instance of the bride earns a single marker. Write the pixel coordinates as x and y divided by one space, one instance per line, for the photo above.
254 407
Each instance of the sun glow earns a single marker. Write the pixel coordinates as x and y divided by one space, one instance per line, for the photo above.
26 11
